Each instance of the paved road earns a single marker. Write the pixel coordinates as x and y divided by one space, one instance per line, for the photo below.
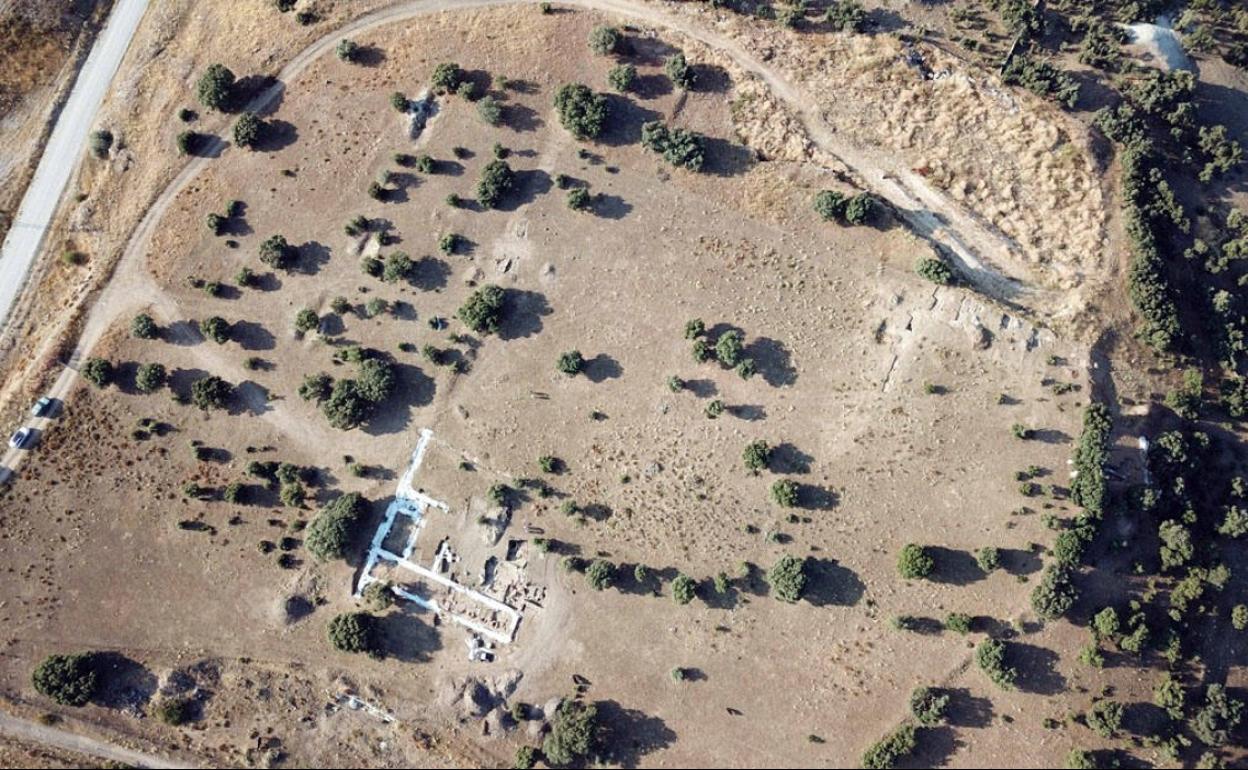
64 150
33 732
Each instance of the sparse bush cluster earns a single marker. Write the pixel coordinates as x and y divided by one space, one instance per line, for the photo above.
581 111
851 209
678 146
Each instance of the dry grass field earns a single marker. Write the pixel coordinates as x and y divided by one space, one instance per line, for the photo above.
900 410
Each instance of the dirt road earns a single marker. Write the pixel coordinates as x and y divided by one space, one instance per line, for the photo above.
32 732
64 150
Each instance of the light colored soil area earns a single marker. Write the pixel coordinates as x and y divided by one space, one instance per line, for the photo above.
1017 163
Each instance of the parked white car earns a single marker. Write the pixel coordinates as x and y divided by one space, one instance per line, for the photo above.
22 438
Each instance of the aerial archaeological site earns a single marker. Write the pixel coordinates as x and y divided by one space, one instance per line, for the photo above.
624 383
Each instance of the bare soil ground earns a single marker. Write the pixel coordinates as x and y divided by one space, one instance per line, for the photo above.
845 336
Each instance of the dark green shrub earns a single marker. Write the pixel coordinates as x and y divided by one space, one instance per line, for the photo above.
622 77
306 320
581 111
353 632
678 146
604 40
101 143
934 270
397 267
330 533
97 371
573 733
149 377
276 252
482 311
757 455
70 680
990 656
215 87
684 589
599 574
447 77
496 181
678 70
143 327
913 562
210 392
785 493
893 747
787 578
929 705
215 328
248 130
347 50
570 363
490 110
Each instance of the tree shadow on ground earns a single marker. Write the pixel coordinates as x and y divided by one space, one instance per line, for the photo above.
124 373
828 584
180 381
247 88
1051 436
277 135
773 360
968 710
206 146
935 746
522 118
312 256
430 274
652 86
813 497
725 158
447 168
523 313
954 567
747 412
252 336
1143 718
125 683
702 388
404 636
610 206
182 333
625 121
412 388
251 398
787 459
1037 669
711 79
601 368
530 183
369 56
1018 561
627 735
